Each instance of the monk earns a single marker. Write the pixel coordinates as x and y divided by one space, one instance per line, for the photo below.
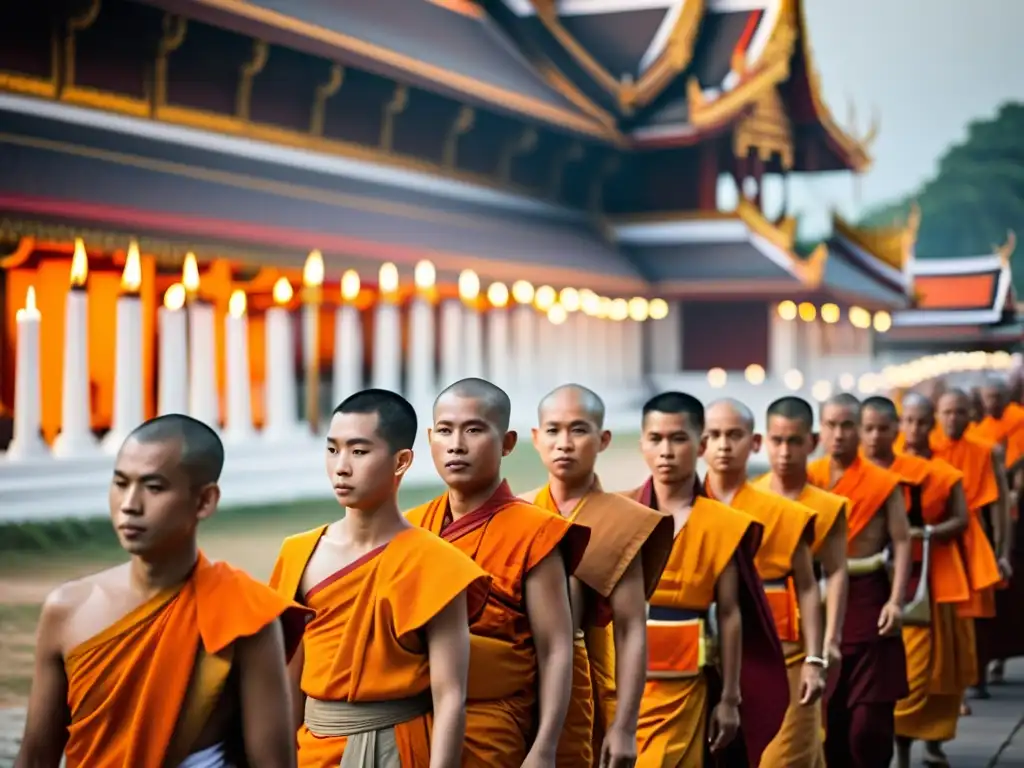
786 567
380 679
873 673
790 440
985 533
628 548
937 648
169 659
1003 425
521 656
712 697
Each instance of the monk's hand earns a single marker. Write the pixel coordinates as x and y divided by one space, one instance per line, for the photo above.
725 724
1005 567
618 749
890 620
812 683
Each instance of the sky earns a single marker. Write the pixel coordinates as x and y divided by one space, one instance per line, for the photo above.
929 67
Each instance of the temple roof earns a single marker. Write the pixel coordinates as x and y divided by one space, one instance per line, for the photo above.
872 265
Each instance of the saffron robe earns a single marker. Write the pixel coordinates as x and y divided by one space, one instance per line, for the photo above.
873 675
786 523
826 506
940 656
620 530
141 691
366 642
672 731
507 538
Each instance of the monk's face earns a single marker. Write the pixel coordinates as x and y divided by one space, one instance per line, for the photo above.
993 402
878 432
916 423
467 444
839 430
729 438
154 505
361 467
670 446
953 413
568 439
790 443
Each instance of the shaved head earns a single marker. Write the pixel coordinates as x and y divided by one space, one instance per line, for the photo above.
918 402
955 393
587 399
736 407
843 400
881 405
496 403
954 413
793 409
992 398
202 452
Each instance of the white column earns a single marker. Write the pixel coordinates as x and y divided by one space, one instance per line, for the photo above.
525 351
565 336
451 343
499 347
782 344
27 443
128 411
75 438
547 356
238 374
663 338
281 413
472 323
202 364
601 353
387 347
635 332
422 343
172 388
347 375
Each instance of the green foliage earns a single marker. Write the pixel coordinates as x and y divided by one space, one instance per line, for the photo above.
976 196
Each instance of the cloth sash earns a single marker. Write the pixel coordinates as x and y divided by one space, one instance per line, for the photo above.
368 725
211 757
680 642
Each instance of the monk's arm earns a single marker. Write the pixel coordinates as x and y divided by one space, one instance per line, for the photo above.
809 598
448 651
956 515
832 556
48 717
1001 521
267 728
730 631
629 627
899 534
295 667
550 616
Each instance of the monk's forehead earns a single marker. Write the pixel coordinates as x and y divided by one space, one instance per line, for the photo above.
779 423
148 456
455 407
875 413
839 412
917 410
567 403
954 399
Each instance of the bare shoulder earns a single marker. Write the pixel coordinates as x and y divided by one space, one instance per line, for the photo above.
71 598
530 496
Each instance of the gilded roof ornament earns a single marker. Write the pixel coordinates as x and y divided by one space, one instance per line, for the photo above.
1005 251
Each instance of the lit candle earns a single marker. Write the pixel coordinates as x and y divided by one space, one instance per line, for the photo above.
348 340
498 350
473 332
172 389
128 410
27 443
422 376
236 332
282 402
387 332
202 350
76 438
312 282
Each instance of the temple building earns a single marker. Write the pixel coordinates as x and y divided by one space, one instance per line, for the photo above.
521 189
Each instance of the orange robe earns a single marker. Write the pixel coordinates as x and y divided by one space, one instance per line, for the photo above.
507 538
786 523
682 684
366 642
620 530
140 691
873 675
940 656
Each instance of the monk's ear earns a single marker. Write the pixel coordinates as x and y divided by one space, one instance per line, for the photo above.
508 442
208 498
535 436
606 440
815 439
403 460
756 441
702 445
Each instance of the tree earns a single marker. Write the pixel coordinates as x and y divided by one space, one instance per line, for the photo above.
976 196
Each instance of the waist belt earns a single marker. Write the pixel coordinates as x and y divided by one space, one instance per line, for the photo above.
776 584
347 718
858 566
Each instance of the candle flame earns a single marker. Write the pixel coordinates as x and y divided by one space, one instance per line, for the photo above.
350 285
497 295
236 304
522 291
79 264
469 285
313 271
190 273
175 297
570 299
283 291
425 275
545 298
387 279
30 311
131 277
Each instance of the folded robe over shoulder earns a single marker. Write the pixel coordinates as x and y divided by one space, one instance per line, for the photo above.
827 508
620 531
671 729
365 643
140 691
507 537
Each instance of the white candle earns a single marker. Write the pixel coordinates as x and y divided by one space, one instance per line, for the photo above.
128 410
525 350
172 388
451 342
347 375
387 333
281 394
239 405
27 443
312 281
473 331
422 340
76 438
202 364
498 350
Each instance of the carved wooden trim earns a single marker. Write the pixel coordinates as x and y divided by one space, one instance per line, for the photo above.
396 106
174 30
520 146
461 125
324 92
76 24
248 72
